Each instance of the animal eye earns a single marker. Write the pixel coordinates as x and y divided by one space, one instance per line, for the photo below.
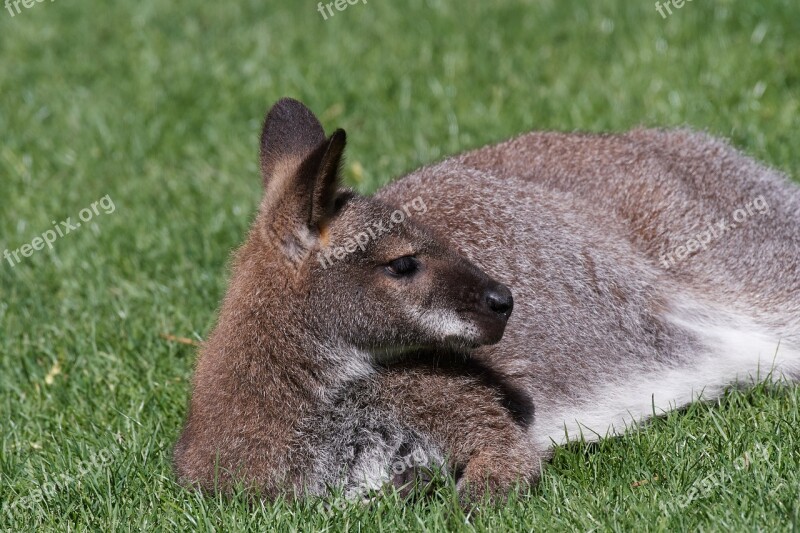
402 267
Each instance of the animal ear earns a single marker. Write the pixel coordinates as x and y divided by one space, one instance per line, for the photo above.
290 133
300 168
327 182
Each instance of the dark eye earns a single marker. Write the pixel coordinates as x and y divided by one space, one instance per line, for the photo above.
402 267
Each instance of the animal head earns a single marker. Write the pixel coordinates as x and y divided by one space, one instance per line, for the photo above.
352 270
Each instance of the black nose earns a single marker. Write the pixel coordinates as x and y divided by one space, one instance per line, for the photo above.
500 300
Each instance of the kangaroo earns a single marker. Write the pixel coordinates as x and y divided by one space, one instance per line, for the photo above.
292 393
363 339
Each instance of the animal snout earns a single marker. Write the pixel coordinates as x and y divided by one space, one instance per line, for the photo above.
500 300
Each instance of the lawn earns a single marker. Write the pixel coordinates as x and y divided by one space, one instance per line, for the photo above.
155 107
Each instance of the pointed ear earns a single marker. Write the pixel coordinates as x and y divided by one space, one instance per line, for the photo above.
300 168
291 132
327 182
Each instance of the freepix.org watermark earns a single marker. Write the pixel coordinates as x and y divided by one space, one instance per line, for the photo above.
379 477
39 496
705 487
61 229
359 242
677 4
758 206
13 5
327 9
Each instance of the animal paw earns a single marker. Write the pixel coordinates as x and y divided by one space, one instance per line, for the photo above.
492 479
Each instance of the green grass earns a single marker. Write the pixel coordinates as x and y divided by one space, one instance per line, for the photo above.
159 104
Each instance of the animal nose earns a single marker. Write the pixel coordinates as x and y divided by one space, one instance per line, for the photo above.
500 300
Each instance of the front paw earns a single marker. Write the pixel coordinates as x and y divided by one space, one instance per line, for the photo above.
412 472
413 481
492 479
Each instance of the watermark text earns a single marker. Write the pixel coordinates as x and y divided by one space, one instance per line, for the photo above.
60 229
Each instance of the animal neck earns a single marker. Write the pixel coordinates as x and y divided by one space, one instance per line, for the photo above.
269 351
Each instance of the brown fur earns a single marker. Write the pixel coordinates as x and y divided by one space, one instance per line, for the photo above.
271 373
324 372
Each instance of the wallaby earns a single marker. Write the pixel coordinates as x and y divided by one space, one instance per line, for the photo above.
648 269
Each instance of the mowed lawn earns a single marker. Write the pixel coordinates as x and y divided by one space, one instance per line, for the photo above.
156 107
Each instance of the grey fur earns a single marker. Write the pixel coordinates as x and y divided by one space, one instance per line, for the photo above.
603 329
